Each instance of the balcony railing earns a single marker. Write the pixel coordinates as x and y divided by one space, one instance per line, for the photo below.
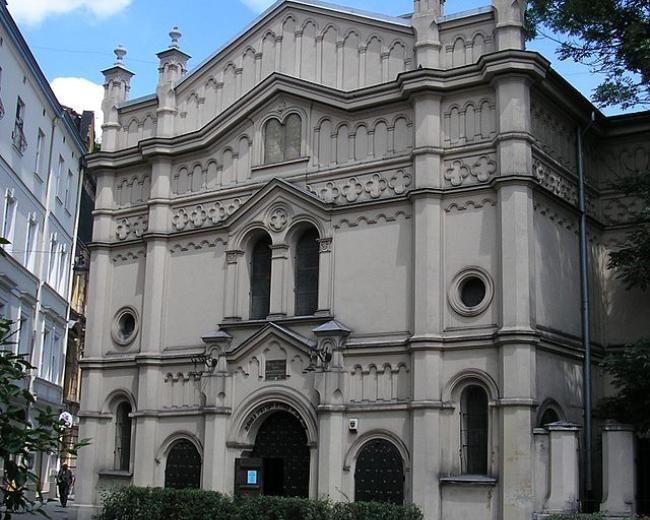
18 137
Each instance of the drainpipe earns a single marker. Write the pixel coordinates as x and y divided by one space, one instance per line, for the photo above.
586 325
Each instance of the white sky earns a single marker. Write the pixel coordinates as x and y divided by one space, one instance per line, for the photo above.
80 94
33 12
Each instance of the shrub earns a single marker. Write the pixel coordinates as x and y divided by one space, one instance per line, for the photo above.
133 503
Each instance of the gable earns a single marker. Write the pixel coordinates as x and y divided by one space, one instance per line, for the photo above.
272 348
277 208
333 48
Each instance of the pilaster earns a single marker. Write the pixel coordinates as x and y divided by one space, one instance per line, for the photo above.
325 265
333 434
216 432
514 154
427 151
154 294
231 303
517 455
279 273
99 312
87 472
426 433
427 34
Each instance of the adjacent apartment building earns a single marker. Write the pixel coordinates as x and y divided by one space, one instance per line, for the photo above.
40 175
340 258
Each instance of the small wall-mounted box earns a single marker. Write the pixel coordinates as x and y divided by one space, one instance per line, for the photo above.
353 425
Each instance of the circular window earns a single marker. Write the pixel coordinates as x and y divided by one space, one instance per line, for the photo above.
125 326
471 291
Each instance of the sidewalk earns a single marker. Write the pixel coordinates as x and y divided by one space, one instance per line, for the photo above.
55 511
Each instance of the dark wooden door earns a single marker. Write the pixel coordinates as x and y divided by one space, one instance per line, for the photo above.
249 477
183 469
281 443
379 473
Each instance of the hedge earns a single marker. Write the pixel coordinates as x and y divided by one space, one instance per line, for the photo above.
133 503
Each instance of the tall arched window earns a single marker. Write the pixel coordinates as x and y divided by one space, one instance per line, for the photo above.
307 259
183 468
123 437
261 278
379 473
474 430
282 141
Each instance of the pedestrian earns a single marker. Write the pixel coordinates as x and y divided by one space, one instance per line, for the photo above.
64 480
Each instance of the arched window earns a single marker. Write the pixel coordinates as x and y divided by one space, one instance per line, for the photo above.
183 468
549 416
261 278
282 141
379 473
474 430
123 437
307 259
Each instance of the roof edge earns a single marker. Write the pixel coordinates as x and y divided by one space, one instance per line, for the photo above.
19 41
395 20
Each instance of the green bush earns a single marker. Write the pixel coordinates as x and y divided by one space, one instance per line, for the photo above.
133 503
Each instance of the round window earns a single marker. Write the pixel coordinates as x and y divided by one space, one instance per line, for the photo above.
471 291
125 326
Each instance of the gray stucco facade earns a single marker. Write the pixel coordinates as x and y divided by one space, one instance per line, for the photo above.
434 158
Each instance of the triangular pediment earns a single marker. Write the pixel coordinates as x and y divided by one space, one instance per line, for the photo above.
274 32
276 207
273 352
272 338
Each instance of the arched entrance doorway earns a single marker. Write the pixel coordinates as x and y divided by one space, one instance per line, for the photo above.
379 473
183 469
281 444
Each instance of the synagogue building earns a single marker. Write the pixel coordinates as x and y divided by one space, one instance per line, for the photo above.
340 258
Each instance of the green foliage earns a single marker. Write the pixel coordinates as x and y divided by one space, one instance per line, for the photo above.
20 437
133 503
629 369
609 36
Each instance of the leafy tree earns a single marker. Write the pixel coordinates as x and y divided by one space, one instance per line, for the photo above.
19 437
610 36
629 370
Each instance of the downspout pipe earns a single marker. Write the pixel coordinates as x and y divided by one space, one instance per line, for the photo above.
586 322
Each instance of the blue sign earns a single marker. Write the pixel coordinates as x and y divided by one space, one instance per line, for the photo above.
251 477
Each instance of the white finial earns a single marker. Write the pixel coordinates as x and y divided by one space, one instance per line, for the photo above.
120 52
175 35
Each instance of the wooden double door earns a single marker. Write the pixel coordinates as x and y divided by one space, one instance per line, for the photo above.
279 462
